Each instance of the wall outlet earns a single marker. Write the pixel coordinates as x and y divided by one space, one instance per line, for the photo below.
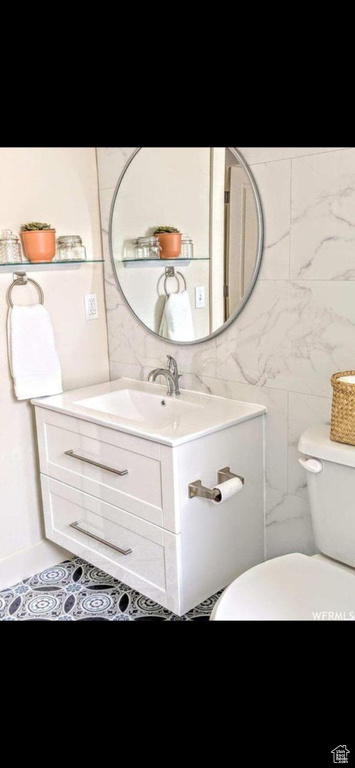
200 300
91 310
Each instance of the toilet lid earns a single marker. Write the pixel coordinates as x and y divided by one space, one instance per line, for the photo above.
292 587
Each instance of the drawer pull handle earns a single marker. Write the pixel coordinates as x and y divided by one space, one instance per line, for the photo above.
96 463
97 538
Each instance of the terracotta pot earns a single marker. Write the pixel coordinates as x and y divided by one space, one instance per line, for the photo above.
170 243
39 245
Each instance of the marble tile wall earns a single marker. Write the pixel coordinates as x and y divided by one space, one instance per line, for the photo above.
297 329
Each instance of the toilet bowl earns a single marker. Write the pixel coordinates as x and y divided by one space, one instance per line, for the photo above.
289 588
300 587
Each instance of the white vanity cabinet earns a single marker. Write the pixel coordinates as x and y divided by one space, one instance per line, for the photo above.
121 501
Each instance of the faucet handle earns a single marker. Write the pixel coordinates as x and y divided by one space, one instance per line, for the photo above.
172 364
173 370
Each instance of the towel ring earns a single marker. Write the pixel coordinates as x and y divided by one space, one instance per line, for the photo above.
23 280
170 272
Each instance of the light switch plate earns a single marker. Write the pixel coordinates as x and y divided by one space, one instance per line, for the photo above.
200 300
91 310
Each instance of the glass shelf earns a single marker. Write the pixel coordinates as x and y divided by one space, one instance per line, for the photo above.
159 262
163 261
27 264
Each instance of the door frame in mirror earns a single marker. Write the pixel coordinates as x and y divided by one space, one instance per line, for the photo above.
260 219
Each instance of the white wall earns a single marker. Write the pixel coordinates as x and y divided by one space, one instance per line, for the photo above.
217 236
164 186
144 289
296 330
58 185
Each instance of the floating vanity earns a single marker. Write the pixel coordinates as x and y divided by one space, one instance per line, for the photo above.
127 478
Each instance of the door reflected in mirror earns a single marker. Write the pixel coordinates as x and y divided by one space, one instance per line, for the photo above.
186 239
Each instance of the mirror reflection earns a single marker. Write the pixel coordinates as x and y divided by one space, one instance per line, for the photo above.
186 238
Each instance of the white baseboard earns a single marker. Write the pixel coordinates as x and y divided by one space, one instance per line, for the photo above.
26 563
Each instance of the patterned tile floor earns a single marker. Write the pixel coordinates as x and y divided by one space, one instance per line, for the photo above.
77 591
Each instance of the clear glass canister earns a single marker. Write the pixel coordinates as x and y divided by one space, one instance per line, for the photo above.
10 248
70 248
147 248
187 247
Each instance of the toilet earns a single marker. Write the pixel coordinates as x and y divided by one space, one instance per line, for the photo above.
300 587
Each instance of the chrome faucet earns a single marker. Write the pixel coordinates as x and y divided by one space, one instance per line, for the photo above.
171 375
173 369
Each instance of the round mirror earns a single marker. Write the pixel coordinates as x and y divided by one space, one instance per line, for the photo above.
186 237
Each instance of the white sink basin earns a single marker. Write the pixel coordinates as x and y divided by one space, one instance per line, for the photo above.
144 409
141 406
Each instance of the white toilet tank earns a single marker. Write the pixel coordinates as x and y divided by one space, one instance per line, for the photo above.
331 487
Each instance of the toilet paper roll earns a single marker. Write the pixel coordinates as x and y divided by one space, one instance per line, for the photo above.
228 489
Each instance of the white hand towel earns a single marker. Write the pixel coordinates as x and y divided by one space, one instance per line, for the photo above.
176 322
34 362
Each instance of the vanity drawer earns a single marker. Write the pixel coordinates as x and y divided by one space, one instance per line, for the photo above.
143 567
138 489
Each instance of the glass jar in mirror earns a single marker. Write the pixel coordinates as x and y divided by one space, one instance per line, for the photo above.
209 202
187 247
147 248
10 248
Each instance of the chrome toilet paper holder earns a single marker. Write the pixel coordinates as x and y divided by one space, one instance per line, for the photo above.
197 489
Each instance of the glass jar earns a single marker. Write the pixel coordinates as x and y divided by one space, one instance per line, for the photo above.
147 248
70 248
187 248
10 248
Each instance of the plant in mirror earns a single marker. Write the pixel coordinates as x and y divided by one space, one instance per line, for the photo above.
210 193
170 242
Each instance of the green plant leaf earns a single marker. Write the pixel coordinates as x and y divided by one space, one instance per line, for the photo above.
35 225
166 230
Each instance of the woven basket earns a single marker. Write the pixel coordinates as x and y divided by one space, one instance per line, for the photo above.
343 409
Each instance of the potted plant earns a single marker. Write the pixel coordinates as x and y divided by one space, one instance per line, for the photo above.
170 242
38 240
